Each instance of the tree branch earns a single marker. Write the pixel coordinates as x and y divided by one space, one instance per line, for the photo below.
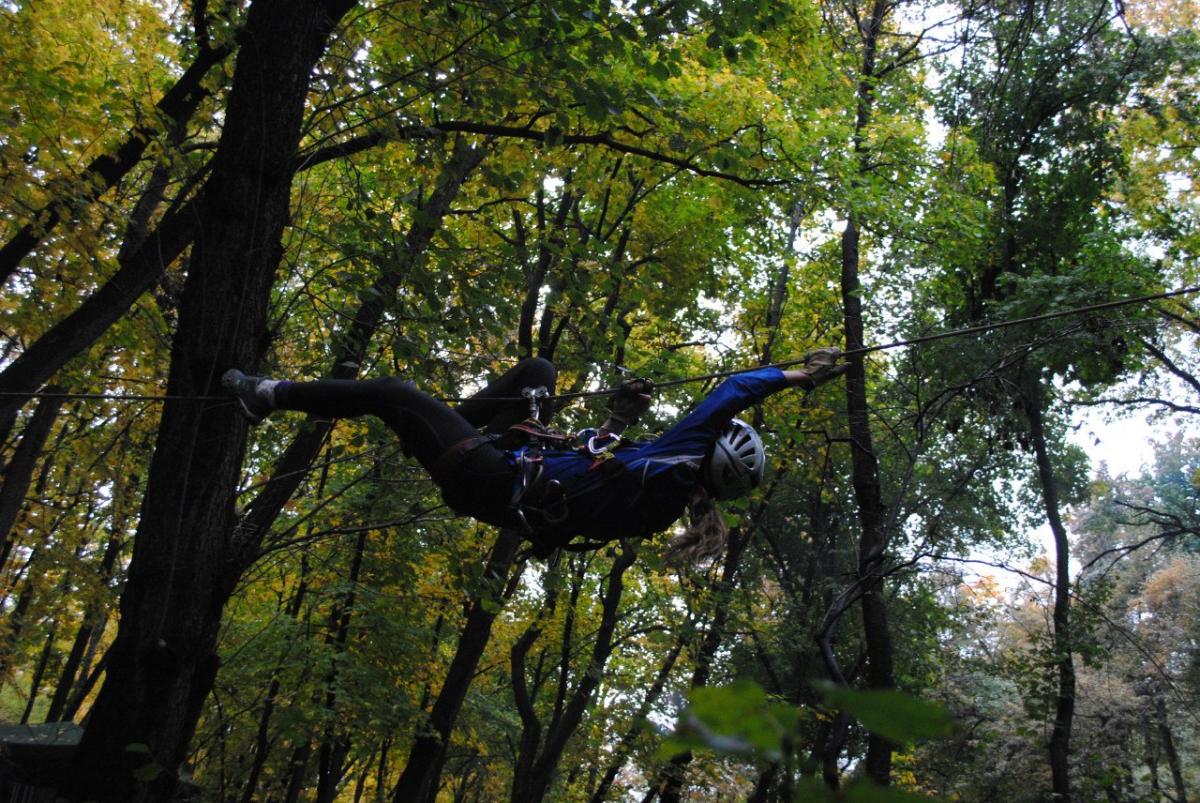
548 137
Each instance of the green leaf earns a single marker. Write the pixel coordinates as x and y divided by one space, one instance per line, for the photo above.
654 26
739 719
890 714
809 790
866 792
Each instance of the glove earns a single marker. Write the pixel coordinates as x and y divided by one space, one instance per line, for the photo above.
821 367
631 400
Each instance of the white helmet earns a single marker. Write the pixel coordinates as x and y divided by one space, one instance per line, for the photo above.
737 461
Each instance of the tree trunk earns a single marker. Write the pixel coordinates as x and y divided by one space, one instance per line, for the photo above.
350 349
162 664
1064 713
66 678
16 619
1168 742
262 742
419 781
83 638
864 476
86 683
299 769
38 674
331 755
668 787
625 746
19 472
531 726
534 786
864 463
550 247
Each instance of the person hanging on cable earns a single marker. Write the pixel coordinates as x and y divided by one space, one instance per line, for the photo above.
494 457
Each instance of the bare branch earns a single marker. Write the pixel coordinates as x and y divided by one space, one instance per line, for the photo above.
1136 400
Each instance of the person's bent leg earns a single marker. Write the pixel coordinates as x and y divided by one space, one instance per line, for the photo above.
474 474
500 405
426 426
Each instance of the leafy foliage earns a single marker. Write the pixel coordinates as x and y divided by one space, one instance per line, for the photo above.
662 188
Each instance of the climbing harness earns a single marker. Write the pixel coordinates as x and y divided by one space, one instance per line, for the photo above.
539 504
535 502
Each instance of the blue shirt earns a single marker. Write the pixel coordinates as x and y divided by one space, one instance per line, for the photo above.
648 485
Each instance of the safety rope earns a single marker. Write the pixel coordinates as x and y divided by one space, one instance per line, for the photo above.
111 396
970 330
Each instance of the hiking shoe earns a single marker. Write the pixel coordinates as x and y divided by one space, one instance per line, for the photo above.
821 366
255 394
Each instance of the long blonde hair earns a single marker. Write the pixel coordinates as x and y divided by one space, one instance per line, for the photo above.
706 532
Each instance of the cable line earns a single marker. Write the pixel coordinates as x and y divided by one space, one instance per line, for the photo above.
970 330
109 396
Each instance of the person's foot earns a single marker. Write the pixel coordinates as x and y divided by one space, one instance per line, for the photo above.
820 366
256 395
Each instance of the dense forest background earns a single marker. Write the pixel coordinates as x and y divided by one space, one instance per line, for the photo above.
308 188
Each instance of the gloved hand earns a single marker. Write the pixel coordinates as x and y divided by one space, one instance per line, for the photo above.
631 400
820 366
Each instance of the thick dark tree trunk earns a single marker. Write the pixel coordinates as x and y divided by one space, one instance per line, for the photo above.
419 781
299 772
864 462
162 664
1064 710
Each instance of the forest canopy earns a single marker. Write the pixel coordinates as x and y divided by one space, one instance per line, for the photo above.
939 591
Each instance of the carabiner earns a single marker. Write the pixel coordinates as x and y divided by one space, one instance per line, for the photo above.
612 439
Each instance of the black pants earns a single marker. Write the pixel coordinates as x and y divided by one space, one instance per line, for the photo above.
479 480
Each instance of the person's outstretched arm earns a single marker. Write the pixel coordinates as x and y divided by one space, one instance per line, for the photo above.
820 366
695 433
